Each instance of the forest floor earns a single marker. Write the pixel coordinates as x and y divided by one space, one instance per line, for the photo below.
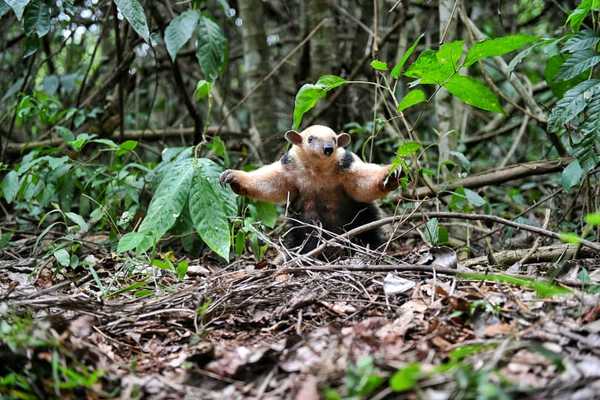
118 327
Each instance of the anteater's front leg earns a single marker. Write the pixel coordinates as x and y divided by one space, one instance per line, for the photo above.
366 182
268 183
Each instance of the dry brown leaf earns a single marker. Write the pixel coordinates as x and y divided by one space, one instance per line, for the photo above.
497 330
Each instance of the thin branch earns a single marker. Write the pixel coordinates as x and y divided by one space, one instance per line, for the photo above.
494 177
140 134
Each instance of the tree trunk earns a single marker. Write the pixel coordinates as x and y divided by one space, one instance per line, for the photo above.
322 50
444 110
322 45
256 65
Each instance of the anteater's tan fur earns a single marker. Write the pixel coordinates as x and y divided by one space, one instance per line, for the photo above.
324 183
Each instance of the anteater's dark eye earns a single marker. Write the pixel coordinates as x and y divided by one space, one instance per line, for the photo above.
310 139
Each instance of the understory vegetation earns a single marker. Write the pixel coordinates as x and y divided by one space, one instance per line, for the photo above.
127 270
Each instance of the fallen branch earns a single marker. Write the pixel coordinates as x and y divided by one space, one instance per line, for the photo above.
447 215
542 254
493 177
148 134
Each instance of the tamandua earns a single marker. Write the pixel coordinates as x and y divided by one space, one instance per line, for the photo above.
323 183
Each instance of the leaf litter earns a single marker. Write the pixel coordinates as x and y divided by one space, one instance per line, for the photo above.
243 331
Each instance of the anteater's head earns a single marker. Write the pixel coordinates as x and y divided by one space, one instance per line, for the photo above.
318 141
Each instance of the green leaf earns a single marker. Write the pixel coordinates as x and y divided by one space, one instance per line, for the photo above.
306 99
572 104
496 47
212 48
397 70
570 237
551 71
10 186
473 92
5 239
450 53
63 258
593 219
379 65
413 97
133 12
431 231
576 18
130 241
571 175
329 82
474 199
179 31
17 6
81 141
408 149
309 95
78 219
211 206
429 69
168 202
182 268
542 288
37 18
126 147
405 378
578 63
587 39
203 88
267 213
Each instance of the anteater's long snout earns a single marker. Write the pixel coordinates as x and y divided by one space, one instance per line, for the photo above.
328 149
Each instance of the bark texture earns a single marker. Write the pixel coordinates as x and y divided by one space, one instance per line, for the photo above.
256 65
444 108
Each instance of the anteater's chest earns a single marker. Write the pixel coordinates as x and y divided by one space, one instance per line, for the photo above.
332 208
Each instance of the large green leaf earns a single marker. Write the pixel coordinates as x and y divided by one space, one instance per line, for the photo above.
306 99
133 12
397 70
168 201
309 95
413 97
586 39
37 18
212 48
573 103
473 92
18 6
578 63
10 186
211 206
496 47
450 53
428 68
559 87
180 30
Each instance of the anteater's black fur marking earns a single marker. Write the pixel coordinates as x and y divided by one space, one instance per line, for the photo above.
346 160
286 158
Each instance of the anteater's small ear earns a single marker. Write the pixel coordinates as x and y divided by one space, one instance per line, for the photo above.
293 137
343 139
